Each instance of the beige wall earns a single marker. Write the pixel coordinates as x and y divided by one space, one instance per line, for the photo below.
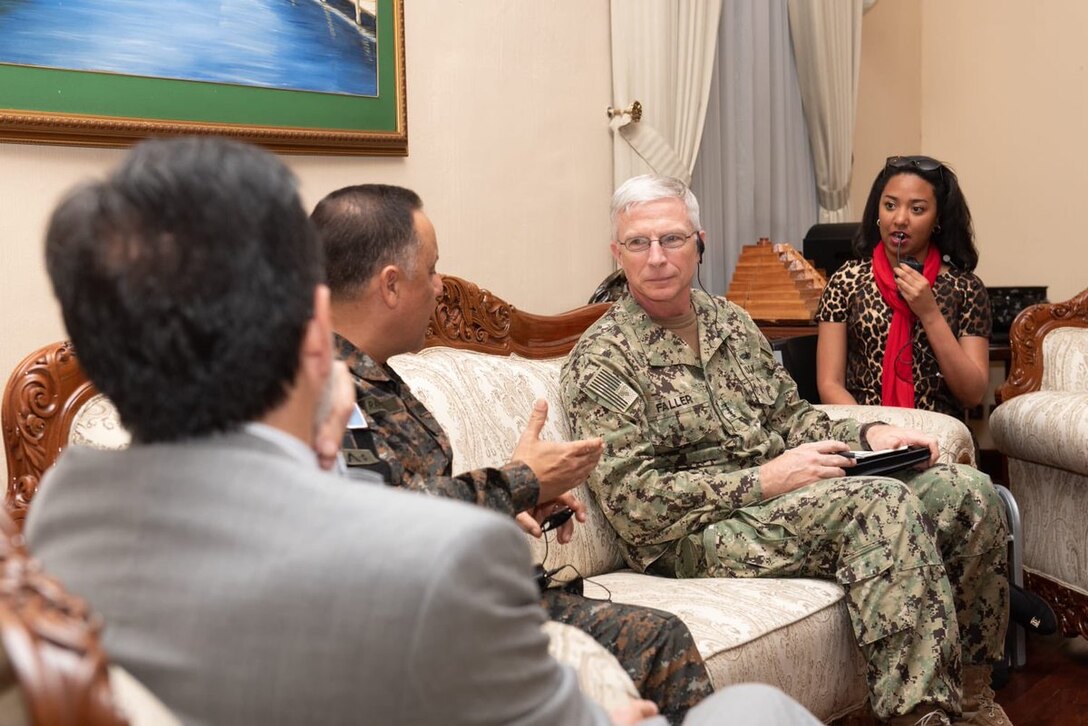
889 119
509 147
1005 98
997 88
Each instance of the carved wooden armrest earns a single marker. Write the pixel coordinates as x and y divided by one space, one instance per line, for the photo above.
43 395
1026 341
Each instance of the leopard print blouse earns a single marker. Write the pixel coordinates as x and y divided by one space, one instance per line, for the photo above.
852 297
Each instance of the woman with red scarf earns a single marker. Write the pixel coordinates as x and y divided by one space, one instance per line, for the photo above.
908 323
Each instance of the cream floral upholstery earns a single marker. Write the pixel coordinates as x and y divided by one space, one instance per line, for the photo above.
791 633
98 425
1044 434
485 419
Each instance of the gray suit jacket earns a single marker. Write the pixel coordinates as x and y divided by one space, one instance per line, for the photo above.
245 588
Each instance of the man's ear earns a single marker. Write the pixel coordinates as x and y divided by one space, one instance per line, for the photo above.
615 252
389 281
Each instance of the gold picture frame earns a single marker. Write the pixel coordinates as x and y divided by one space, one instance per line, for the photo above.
73 107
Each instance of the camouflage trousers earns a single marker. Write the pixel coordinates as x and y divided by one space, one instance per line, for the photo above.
922 558
653 646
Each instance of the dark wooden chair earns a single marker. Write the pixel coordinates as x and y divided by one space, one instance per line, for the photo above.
49 641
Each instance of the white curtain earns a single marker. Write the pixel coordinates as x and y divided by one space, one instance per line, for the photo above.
754 173
827 45
662 57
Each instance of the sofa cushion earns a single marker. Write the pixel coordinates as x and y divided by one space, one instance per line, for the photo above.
1065 360
483 401
1046 427
791 633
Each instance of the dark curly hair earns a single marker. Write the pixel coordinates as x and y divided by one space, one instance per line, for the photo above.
954 235
186 279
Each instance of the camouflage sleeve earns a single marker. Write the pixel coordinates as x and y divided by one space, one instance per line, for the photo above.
792 417
511 488
647 498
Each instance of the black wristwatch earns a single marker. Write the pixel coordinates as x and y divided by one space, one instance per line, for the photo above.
863 432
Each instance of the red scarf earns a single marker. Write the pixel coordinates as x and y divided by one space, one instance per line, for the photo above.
898 390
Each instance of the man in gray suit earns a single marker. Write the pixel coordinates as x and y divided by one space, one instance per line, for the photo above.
238 581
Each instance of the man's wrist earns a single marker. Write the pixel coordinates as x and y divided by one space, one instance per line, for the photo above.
863 433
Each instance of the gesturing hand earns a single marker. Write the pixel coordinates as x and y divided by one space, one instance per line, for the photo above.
558 465
803 465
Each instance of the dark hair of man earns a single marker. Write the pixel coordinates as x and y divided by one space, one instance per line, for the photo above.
953 235
186 280
364 228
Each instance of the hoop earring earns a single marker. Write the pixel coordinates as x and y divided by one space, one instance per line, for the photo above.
937 229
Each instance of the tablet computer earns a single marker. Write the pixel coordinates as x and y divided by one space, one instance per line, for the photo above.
871 463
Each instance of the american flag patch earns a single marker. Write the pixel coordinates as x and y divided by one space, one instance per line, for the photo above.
611 390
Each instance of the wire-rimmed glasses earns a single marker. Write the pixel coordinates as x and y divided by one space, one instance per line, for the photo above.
669 241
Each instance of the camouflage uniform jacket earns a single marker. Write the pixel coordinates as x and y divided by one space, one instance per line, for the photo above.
684 436
404 443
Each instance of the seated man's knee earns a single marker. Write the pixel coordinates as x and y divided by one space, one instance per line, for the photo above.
978 493
873 493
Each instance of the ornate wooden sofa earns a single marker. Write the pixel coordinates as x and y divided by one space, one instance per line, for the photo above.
1041 425
484 364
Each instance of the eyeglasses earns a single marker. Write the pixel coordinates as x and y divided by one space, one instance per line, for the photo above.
671 241
921 163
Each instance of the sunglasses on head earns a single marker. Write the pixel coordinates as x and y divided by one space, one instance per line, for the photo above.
921 163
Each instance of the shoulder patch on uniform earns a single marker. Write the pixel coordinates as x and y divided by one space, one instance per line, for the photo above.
360 457
611 390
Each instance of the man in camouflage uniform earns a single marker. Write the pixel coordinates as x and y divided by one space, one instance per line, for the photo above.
381 253
714 467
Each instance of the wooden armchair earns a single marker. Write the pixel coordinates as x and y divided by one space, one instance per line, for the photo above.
1041 425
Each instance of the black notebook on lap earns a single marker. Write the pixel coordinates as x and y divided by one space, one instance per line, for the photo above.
871 463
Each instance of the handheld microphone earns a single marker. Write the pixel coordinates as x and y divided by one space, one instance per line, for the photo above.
556 520
909 261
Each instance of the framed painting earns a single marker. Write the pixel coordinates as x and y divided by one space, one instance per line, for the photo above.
297 76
